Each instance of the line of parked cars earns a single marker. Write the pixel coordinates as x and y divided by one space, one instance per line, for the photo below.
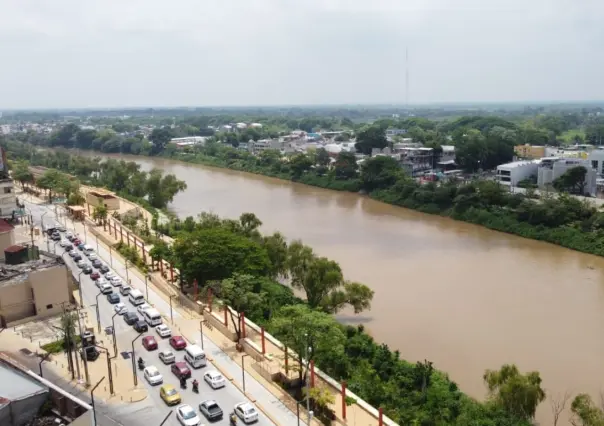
107 280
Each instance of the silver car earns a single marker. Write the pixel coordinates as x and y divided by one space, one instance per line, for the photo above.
167 356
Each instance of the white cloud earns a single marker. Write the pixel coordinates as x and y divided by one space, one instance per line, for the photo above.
57 53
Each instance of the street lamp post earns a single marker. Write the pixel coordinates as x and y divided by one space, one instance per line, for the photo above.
92 398
98 315
201 332
134 378
80 288
82 343
113 332
147 286
108 367
166 418
110 256
42 359
42 220
243 370
171 314
97 243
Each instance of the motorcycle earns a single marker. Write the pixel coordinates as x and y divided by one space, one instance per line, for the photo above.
233 419
195 386
141 364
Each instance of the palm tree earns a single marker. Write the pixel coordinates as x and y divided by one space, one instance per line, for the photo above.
100 215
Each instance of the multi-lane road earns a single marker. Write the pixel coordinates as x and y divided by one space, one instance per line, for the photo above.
154 407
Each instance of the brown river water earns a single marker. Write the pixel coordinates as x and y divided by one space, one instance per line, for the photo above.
459 295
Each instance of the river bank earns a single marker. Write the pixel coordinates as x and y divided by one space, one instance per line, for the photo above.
457 294
406 196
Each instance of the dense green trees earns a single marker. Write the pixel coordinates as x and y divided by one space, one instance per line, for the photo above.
572 180
154 189
371 137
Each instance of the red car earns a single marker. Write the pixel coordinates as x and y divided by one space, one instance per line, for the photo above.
76 242
95 275
177 342
149 343
181 370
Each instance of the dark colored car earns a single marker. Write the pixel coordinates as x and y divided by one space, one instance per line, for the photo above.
69 247
211 410
95 275
56 237
104 268
90 352
141 326
149 343
71 238
113 298
73 253
130 318
97 263
180 369
77 257
87 269
81 246
177 342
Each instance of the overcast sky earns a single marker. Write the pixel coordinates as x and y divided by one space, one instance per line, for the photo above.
115 53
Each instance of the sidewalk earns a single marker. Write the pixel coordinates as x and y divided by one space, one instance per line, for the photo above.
18 347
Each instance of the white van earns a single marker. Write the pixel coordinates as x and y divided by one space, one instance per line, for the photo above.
152 316
195 356
136 297
88 249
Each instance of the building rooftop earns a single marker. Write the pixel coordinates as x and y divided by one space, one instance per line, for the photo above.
15 385
5 226
514 164
15 274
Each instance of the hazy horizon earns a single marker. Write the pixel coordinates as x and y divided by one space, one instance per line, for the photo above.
112 54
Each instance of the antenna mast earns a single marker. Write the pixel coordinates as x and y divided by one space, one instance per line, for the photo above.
407 78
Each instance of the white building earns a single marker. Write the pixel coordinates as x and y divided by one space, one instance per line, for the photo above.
395 132
8 199
552 168
512 173
263 144
596 159
189 140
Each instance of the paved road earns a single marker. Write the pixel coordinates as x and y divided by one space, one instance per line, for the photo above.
153 407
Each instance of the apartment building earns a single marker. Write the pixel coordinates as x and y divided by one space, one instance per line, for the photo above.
552 168
512 173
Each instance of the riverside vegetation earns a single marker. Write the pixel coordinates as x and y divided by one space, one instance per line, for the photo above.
409 393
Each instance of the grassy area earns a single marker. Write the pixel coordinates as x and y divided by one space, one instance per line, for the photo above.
570 135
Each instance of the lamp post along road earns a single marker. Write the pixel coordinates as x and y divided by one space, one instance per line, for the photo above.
109 372
98 315
243 370
134 377
201 333
92 399
113 332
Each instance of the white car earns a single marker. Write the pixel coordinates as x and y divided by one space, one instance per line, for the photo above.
163 330
106 289
142 308
214 379
167 356
92 256
120 308
125 290
101 281
153 376
246 412
110 275
187 416
64 243
69 235
116 281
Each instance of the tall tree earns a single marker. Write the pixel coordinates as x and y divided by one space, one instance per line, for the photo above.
346 166
371 137
160 138
380 173
311 334
572 180
21 172
322 281
518 393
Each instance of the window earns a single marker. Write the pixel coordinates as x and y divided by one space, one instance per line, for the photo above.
49 306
